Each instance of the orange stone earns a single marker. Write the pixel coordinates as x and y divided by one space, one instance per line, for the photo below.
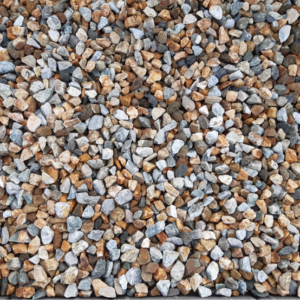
25 292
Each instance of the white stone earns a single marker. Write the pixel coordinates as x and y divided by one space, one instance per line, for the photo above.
284 33
216 12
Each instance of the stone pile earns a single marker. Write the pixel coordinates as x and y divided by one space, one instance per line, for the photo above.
149 148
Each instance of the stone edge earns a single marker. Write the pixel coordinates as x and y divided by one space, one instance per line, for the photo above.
191 297
180 297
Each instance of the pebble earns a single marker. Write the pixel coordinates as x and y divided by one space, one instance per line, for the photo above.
133 276
212 271
216 12
6 67
163 287
204 292
284 33
47 235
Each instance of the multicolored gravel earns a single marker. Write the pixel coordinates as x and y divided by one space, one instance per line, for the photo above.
149 148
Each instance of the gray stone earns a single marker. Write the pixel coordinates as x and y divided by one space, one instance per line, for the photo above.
73 223
95 123
86 14
177 271
107 206
169 257
43 96
102 23
71 291
212 271
133 276
216 253
47 235
85 284
6 67
244 264
224 292
284 33
88 212
216 12
163 286
158 227
204 292
124 196
99 269
53 22
235 243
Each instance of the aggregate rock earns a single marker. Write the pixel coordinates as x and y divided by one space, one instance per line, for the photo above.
149 148
204 292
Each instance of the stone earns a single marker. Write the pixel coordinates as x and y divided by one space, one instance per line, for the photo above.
212 271
133 276
204 292
169 257
177 271
6 67
47 235
216 12
62 209
163 287
124 196
284 33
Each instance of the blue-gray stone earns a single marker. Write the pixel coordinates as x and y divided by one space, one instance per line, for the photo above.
155 229
73 223
224 292
242 287
108 206
163 286
39 294
99 269
133 276
244 264
211 81
17 136
137 33
88 212
95 235
114 254
102 23
6 67
112 244
169 257
235 7
195 210
33 230
44 95
204 292
235 243
85 284
95 123
216 253
47 235
155 254
86 13
197 50
124 196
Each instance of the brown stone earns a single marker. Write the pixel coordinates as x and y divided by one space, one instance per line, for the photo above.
25 292
144 257
117 214
204 24
184 286
43 131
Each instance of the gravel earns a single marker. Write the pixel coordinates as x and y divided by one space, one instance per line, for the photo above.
149 148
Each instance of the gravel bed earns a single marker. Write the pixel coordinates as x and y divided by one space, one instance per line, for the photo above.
149 148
